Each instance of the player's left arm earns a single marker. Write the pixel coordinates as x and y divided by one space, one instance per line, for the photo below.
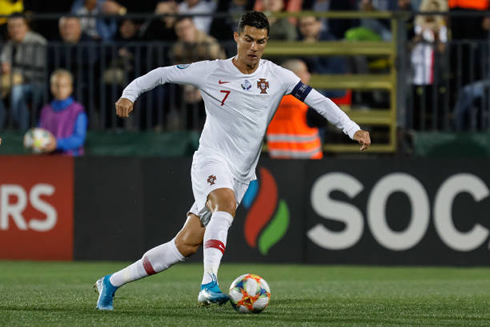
325 107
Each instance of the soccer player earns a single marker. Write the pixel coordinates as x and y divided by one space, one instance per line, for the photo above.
241 95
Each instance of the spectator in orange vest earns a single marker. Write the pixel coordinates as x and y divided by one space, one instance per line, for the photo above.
288 135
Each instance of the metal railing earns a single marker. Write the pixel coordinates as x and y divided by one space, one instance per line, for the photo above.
101 72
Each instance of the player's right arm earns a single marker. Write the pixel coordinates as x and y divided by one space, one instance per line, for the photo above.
193 74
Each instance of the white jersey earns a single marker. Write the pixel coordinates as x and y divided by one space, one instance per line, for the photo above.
238 106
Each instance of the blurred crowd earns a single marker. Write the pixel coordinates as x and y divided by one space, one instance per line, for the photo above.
104 46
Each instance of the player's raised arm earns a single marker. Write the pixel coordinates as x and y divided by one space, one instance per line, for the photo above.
145 83
328 109
125 104
325 107
295 80
180 74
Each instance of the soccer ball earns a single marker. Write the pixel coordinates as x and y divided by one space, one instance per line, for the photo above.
36 139
249 293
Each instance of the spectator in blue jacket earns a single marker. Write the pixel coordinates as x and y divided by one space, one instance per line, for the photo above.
98 28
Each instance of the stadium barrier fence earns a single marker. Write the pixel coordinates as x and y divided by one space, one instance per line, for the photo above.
164 109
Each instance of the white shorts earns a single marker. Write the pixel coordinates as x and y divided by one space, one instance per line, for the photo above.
207 176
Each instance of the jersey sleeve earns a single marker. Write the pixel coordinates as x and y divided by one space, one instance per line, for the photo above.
289 79
190 74
325 107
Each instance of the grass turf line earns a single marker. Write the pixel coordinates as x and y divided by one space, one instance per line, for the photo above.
60 294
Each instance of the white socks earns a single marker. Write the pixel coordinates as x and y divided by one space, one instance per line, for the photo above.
215 244
163 256
154 261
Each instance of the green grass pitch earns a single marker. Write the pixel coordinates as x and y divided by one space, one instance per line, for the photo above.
61 294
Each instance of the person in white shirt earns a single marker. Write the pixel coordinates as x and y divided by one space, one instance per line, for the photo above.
241 94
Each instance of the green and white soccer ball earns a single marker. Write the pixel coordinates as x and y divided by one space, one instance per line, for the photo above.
36 139
249 293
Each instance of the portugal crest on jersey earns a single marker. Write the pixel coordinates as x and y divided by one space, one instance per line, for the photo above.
263 85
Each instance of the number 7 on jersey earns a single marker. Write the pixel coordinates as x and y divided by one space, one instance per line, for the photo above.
227 93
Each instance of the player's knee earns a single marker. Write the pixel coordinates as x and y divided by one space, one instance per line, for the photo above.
227 206
222 200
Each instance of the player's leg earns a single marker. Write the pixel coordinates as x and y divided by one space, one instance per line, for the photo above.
161 257
217 194
190 237
153 261
221 202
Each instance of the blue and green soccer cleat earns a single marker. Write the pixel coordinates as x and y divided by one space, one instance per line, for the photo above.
210 293
106 292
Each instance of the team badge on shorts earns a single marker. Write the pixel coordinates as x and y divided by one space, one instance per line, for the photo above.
211 179
246 85
263 85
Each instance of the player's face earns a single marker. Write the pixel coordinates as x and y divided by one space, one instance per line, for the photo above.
250 45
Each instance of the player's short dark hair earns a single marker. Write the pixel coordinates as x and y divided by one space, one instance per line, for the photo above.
254 19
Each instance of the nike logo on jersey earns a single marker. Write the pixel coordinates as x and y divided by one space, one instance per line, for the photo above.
221 82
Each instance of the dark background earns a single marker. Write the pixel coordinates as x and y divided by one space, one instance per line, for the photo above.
125 206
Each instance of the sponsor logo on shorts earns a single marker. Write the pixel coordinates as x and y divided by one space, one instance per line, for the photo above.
211 179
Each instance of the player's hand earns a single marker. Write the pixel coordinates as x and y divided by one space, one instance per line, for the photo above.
0 141
51 145
363 138
124 107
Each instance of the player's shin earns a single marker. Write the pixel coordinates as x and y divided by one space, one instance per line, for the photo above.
154 261
215 244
